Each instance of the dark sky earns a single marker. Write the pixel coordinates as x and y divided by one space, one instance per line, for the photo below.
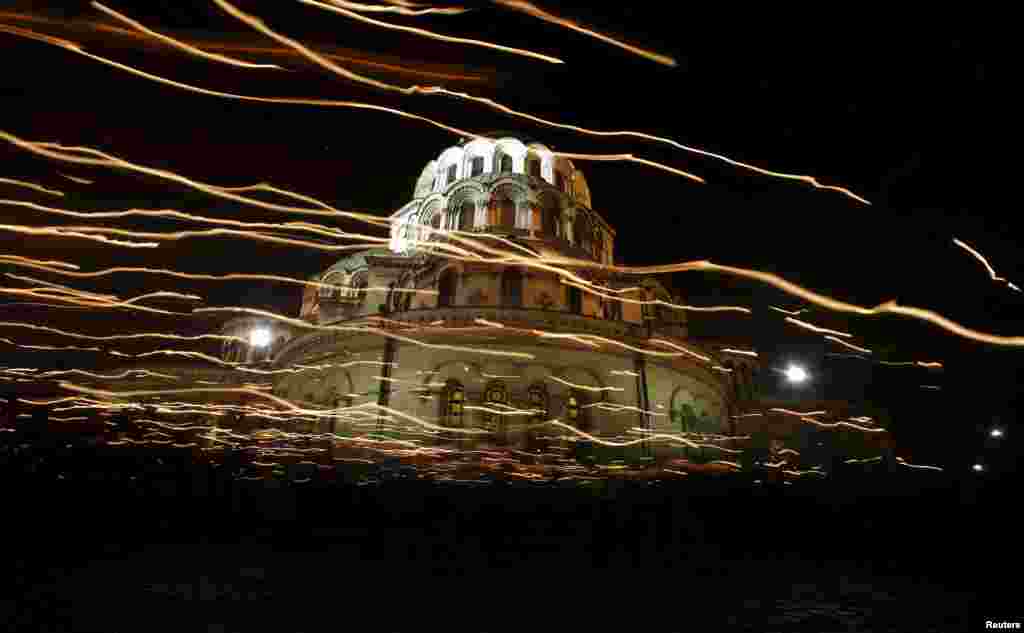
913 117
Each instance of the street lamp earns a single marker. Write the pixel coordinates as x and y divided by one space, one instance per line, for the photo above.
796 374
977 468
996 433
259 337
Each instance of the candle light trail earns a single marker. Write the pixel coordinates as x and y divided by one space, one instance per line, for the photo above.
592 289
815 328
119 337
740 352
341 10
82 181
399 7
535 11
188 48
984 262
364 329
850 345
434 90
59 232
30 185
790 313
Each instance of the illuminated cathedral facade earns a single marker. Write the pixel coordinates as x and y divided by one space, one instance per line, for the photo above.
478 342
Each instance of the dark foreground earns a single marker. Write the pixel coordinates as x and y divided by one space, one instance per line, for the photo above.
92 549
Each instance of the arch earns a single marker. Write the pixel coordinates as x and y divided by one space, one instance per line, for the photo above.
425 183
452 401
449 166
576 409
550 211
495 397
460 200
574 299
581 191
514 150
537 394
502 209
583 231
534 166
447 286
431 208
479 148
337 280
512 287
547 161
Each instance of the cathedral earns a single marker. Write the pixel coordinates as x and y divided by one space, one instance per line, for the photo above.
492 319
483 344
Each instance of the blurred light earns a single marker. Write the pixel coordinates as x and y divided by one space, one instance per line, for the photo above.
996 433
978 468
260 337
796 374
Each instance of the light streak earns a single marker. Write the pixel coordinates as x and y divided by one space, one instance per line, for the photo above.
265 237
402 8
978 256
49 266
845 344
790 313
623 372
317 229
675 346
415 89
900 460
188 48
533 10
339 9
499 377
58 232
722 369
815 328
82 181
584 387
797 413
741 352
488 323
369 330
29 185
590 288
932 387
748 415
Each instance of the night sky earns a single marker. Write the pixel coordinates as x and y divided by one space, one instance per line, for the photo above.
913 118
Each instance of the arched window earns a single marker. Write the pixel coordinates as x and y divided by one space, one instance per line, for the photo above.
559 180
452 402
574 299
583 232
435 220
598 246
505 165
496 397
477 166
512 287
508 213
575 413
452 169
538 403
549 217
446 287
466 209
533 167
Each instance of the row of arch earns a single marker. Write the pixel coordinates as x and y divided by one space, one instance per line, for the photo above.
502 156
506 207
452 406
